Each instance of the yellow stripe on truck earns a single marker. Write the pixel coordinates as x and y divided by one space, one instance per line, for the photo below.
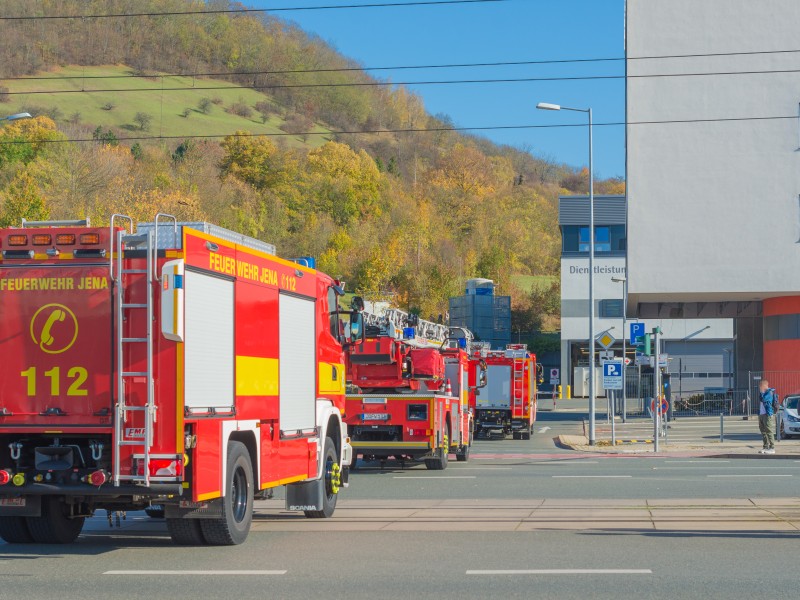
257 376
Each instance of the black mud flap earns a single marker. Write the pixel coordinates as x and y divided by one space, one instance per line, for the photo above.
307 495
209 509
20 506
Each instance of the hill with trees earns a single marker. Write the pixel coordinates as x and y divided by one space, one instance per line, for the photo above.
251 139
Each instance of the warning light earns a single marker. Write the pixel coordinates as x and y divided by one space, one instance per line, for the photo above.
17 239
18 479
90 238
65 239
5 477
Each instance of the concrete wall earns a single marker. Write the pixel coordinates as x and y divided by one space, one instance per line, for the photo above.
713 207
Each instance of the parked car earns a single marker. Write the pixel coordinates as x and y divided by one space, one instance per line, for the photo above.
790 417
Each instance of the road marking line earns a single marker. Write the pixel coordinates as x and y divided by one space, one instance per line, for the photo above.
436 477
543 429
755 475
698 461
562 572
164 572
482 468
592 476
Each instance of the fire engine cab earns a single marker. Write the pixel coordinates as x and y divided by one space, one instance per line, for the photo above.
183 365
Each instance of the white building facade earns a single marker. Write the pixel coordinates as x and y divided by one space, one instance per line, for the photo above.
700 350
713 170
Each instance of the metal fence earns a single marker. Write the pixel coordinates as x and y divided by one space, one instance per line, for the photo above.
708 401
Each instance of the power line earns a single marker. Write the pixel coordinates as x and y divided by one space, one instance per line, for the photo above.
406 83
251 10
403 67
410 130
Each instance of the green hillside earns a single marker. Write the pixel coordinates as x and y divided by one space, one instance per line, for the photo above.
174 113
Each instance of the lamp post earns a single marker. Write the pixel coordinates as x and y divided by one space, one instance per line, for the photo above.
22 115
588 111
624 282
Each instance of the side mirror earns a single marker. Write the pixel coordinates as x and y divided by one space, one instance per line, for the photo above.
356 328
482 369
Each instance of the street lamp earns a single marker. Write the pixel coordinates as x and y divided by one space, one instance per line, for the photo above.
588 111
22 115
624 282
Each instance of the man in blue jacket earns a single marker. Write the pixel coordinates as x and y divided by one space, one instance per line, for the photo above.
766 417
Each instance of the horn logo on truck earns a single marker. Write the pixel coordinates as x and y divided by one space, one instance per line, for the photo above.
54 328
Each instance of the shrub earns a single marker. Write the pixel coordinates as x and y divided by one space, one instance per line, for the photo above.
187 112
143 120
241 109
75 118
109 106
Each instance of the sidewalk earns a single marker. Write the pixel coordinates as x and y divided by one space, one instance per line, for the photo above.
772 515
788 449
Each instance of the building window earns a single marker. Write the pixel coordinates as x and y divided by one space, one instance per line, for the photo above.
611 309
782 327
602 240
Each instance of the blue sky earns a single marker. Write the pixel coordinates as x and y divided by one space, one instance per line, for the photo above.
516 30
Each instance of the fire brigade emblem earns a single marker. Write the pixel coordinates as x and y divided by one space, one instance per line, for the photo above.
54 328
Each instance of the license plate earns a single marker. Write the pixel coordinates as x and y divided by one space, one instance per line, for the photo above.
190 504
376 416
12 501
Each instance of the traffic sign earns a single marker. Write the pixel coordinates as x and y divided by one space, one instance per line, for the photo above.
555 376
637 331
606 355
612 375
606 340
664 406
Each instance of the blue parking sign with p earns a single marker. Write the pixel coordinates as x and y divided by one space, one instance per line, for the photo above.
612 369
637 331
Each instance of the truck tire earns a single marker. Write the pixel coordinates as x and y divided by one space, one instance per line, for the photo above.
14 530
331 474
185 532
237 504
462 454
54 526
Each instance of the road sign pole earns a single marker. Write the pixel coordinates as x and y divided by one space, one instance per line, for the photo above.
613 410
657 386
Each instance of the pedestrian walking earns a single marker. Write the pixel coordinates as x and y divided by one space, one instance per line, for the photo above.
766 417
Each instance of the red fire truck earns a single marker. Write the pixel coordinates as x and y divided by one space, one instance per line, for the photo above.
183 365
507 403
413 401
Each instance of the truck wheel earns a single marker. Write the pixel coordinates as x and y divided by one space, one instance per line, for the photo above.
237 504
54 526
185 532
438 462
332 474
525 435
462 454
14 530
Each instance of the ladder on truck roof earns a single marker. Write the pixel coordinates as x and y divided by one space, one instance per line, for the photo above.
120 276
518 353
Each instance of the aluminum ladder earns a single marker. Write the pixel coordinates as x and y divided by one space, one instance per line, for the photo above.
124 342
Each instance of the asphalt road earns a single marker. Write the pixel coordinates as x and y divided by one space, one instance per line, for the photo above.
345 560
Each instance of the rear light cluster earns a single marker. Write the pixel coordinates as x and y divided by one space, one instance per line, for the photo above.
97 478
46 239
160 467
6 477
419 432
